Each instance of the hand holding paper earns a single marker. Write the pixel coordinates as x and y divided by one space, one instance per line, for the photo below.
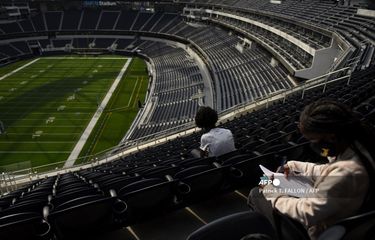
297 186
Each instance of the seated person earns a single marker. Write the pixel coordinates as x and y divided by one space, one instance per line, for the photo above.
342 184
215 141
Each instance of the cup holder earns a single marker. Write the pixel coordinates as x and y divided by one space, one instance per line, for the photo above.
43 228
236 173
119 206
183 188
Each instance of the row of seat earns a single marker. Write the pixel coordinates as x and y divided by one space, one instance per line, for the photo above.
90 19
164 178
177 80
357 29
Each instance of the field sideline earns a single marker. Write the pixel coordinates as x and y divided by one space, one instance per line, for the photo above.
47 105
120 112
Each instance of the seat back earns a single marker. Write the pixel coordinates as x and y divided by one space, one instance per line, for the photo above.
135 186
196 185
234 226
81 218
146 198
288 228
24 225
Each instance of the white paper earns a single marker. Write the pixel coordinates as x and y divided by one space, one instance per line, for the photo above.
297 186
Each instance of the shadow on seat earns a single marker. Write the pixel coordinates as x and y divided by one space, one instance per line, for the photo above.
22 226
145 198
198 182
234 227
80 218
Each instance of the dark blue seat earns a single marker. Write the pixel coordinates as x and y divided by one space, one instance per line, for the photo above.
161 171
33 205
234 226
196 183
83 217
146 198
25 225
117 183
247 172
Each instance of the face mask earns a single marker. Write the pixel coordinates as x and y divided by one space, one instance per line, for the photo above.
324 149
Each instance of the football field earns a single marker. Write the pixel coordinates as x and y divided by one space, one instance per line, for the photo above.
47 105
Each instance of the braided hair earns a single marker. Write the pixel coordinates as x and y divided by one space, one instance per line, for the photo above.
329 116
332 117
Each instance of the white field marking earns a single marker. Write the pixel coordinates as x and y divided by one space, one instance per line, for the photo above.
61 108
80 58
49 134
65 113
35 152
51 108
33 142
33 119
70 98
1 97
139 89
130 99
29 126
81 142
131 96
50 120
23 82
42 71
18 69
37 134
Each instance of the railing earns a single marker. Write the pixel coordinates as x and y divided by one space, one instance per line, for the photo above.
10 180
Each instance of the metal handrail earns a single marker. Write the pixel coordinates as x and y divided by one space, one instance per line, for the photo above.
156 138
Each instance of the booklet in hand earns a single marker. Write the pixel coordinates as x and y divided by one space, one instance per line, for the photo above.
294 185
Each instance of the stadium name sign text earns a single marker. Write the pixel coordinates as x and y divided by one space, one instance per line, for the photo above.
100 3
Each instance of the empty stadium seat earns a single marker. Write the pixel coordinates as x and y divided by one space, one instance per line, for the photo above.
82 217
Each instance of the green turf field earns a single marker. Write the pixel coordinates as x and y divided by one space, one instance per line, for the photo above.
46 106
120 111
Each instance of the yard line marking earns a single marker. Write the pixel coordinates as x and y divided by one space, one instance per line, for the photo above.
80 58
137 96
33 126
47 142
130 100
18 69
57 113
81 142
50 108
35 152
45 134
131 96
33 119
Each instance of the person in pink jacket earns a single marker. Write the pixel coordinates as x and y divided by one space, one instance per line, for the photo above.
340 187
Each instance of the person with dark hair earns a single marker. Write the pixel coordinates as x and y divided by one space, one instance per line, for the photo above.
215 141
342 185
